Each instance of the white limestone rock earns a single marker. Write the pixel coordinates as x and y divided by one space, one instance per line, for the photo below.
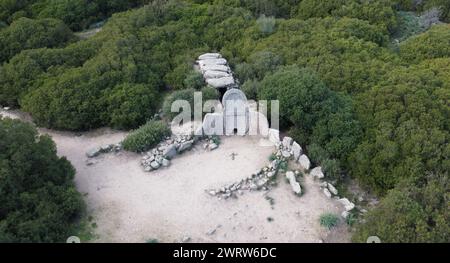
274 136
297 150
222 68
345 214
221 82
287 142
317 172
155 165
94 152
332 189
214 74
327 193
304 162
347 204
213 61
209 56
293 182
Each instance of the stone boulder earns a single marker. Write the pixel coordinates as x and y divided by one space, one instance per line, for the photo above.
274 136
222 68
327 193
287 142
332 189
165 162
213 61
170 151
317 172
286 154
215 74
185 146
221 82
304 162
209 56
345 214
347 204
293 182
94 152
297 150
155 165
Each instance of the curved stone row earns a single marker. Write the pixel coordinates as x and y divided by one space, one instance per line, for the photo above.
261 180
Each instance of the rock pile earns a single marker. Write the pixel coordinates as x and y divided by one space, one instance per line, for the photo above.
216 71
164 152
161 155
94 152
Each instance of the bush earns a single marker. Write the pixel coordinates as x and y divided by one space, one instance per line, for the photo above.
250 88
146 137
329 220
194 80
130 105
332 168
415 211
39 200
27 33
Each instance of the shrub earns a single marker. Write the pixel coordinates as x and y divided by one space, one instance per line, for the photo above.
329 220
317 153
194 80
250 88
131 105
146 137
332 168
27 33
39 201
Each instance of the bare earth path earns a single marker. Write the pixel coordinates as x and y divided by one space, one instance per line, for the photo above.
130 205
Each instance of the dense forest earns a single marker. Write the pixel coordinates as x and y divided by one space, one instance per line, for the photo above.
364 85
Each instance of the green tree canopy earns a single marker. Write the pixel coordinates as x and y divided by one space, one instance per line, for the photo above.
37 193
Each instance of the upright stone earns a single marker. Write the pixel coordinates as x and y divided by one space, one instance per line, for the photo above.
317 172
304 162
293 182
287 142
297 150
274 136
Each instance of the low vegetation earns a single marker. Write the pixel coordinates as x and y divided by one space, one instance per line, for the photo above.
329 220
146 137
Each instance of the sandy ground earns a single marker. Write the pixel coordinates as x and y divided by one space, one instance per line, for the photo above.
130 205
